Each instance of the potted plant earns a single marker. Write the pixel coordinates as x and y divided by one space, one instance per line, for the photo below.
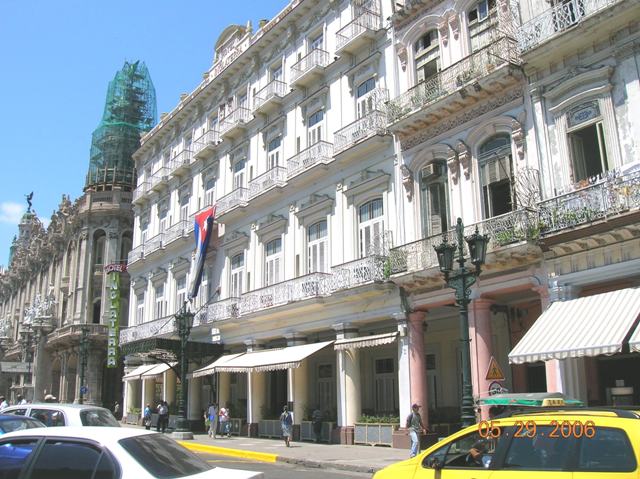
375 430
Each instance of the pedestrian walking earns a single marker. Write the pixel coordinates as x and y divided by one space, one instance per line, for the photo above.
20 400
163 416
286 422
416 429
146 417
316 419
3 403
116 410
212 414
225 425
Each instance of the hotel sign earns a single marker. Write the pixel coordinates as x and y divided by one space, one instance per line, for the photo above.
113 281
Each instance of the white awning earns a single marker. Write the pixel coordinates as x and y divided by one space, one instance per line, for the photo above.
271 359
137 372
211 368
634 342
587 326
157 370
365 341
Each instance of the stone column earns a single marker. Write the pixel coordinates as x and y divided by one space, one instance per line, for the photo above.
404 374
348 387
256 392
93 378
62 394
417 363
42 368
148 391
481 348
194 407
224 389
169 381
298 386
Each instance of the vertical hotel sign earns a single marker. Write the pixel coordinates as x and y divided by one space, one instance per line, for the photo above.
113 281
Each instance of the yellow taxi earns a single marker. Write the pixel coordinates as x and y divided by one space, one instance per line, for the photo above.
585 443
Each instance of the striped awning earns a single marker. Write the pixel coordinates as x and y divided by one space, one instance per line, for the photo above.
589 326
365 341
157 370
138 372
270 359
211 368
634 342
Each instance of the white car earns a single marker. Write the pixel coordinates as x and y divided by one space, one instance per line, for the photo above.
54 414
103 453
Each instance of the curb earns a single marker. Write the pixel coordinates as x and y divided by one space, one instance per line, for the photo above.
226 451
327 465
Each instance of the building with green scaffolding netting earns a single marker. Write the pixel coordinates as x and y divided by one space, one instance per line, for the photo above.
129 112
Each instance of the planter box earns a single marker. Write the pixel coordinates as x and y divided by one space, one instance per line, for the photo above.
269 428
307 434
132 418
236 425
374 434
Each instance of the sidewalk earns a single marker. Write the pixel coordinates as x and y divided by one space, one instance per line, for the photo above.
366 459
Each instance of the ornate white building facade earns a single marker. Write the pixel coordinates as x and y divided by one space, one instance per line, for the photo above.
338 143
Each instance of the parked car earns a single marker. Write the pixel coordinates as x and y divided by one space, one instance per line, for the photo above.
547 443
54 414
105 453
10 423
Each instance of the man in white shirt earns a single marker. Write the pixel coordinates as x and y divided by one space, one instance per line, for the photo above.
21 400
3 403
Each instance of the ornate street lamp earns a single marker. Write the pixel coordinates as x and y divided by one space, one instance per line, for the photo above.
184 322
461 280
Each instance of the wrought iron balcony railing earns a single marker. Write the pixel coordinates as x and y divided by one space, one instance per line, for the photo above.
159 177
180 162
318 153
150 329
237 117
276 176
136 254
477 65
176 231
558 19
224 309
367 21
209 139
274 89
315 58
373 123
154 244
313 285
357 273
141 190
238 197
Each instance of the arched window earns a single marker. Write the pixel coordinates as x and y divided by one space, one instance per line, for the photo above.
318 247
434 198
371 227
273 266
427 56
482 18
496 175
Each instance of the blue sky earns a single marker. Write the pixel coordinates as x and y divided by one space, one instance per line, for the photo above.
56 59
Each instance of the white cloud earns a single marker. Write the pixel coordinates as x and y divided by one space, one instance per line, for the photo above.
11 212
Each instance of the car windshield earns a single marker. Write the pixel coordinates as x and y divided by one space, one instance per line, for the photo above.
98 417
10 425
162 457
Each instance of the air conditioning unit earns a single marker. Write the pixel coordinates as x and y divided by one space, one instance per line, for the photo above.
432 169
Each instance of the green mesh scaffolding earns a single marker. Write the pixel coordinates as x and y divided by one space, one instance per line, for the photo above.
129 111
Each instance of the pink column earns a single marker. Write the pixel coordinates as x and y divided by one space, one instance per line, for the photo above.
417 366
551 367
481 346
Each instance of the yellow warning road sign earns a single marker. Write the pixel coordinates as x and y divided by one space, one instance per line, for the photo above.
494 372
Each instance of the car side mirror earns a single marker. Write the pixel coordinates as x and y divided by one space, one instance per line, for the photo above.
434 463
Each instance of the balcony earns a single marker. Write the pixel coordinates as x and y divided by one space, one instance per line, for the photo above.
160 179
371 126
154 244
139 194
205 145
71 333
181 163
356 273
274 178
270 96
357 33
176 232
557 20
238 198
486 71
158 327
135 255
235 122
306 70
314 285
320 153
610 197
221 310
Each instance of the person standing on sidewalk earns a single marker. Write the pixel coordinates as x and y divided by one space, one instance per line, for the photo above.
416 429
286 422
316 419
146 417
224 422
212 413
163 416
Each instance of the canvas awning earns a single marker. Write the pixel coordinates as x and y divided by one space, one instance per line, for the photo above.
588 326
157 370
138 372
365 341
271 359
634 342
211 368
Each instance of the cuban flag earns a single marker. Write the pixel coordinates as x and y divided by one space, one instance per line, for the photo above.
203 230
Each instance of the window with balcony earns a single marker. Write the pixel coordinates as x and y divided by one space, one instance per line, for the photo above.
140 308
209 191
160 309
181 291
427 56
144 232
587 142
238 174
274 152
164 219
237 276
481 19
494 161
318 247
273 261
434 196
184 205
365 99
275 74
316 42
371 227
314 127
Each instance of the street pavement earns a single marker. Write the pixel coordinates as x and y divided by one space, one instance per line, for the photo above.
279 470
